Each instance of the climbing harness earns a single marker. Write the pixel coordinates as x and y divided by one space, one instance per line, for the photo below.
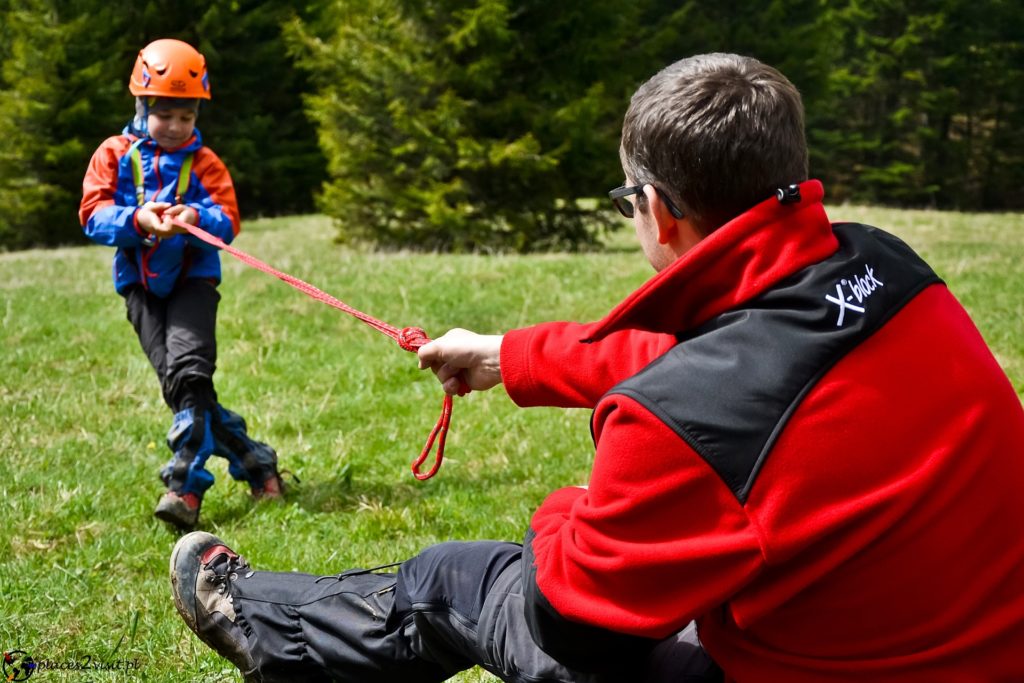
180 189
409 338
140 181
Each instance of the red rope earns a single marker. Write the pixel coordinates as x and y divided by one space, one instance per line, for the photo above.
409 338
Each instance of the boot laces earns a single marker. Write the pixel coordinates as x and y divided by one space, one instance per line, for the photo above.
355 572
224 568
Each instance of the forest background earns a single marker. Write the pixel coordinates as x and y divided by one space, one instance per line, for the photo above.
467 125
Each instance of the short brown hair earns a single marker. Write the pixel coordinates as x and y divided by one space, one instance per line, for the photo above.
718 133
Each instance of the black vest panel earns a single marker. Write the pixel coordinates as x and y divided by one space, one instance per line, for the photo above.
729 387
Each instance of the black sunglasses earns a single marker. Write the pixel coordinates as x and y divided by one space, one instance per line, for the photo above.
626 208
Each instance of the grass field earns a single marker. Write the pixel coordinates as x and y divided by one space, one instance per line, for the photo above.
83 564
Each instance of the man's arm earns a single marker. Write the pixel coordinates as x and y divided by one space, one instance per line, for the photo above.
543 365
550 365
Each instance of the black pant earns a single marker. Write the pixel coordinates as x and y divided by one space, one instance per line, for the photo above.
453 606
178 334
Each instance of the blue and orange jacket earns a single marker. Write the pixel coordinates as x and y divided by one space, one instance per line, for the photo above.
113 191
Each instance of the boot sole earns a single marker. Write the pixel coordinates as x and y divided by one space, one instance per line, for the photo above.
176 514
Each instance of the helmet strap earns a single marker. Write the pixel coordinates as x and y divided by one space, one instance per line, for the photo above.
140 124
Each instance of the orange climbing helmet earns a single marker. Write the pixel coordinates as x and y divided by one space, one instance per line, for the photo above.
170 68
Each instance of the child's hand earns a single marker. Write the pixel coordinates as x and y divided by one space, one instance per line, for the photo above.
149 215
182 213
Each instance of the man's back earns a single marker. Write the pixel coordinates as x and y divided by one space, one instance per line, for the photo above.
827 487
889 513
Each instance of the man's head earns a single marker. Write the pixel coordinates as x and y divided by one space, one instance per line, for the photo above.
714 134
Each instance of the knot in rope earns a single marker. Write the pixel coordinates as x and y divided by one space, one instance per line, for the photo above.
412 338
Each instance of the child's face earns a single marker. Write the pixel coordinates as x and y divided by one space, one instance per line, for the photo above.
171 128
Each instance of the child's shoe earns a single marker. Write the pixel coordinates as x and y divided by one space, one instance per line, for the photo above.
249 460
273 487
191 440
181 510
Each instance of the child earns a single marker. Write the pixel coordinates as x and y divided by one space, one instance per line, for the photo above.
156 169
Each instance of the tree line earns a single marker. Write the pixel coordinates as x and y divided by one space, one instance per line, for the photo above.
493 124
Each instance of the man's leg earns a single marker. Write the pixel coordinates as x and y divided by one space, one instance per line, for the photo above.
682 659
286 626
450 608
465 600
453 606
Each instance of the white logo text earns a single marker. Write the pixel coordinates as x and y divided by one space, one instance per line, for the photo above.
858 287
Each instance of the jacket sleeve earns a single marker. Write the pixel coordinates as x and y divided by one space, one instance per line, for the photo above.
654 541
549 365
103 220
213 199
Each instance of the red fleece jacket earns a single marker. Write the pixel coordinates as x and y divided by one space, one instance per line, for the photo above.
881 539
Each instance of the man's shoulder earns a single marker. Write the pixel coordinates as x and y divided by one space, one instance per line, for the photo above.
753 365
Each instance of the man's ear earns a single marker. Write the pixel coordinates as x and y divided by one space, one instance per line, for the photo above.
668 225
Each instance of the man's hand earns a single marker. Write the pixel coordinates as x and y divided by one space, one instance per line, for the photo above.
150 215
461 356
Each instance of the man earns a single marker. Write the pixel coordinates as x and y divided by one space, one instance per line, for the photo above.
805 452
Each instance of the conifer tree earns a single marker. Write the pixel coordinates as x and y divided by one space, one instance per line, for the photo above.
32 200
466 124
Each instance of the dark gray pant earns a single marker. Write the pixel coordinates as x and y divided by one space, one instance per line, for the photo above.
453 606
178 334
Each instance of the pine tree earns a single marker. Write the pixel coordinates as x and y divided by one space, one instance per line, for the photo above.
466 124
924 104
34 205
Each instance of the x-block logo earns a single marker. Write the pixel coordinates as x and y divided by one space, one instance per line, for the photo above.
858 287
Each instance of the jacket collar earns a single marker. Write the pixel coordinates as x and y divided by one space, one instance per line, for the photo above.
740 260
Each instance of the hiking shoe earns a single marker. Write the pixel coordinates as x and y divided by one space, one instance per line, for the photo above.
272 488
180 510
202 572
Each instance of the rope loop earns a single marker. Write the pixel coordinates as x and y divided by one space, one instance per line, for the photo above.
439 432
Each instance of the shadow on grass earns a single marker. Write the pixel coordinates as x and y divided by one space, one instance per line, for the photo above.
347 491
343 492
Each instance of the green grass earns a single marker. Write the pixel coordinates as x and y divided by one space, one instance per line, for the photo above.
83 565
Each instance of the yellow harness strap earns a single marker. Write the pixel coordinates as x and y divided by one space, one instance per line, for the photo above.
183 177
140 181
